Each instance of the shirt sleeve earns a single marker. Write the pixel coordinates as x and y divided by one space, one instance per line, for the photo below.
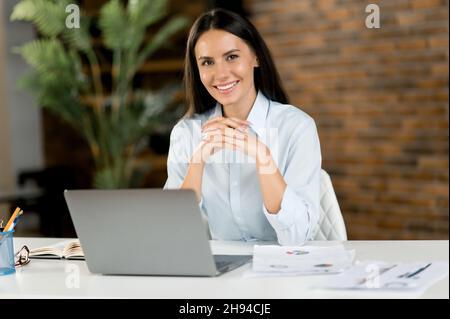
180 153
178 157
300 205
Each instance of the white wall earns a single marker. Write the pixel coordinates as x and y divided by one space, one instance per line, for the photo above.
23 145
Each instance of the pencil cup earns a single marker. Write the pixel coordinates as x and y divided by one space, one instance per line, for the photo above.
6 253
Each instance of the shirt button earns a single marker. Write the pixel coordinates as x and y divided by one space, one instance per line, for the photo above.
235 183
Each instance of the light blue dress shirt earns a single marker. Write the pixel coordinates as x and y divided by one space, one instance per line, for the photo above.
231 198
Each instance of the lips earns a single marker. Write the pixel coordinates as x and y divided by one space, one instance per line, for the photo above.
225 88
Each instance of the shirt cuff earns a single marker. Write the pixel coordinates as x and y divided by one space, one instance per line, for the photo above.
293 211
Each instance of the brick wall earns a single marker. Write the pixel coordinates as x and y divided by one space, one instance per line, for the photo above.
380 99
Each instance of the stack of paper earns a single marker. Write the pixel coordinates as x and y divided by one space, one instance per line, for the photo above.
377 275
301 260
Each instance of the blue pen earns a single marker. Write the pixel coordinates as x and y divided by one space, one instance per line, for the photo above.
15 222
418 271
17 219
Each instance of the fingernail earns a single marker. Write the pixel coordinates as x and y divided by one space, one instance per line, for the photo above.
242 129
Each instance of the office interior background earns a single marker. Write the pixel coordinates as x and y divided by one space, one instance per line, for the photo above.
379 97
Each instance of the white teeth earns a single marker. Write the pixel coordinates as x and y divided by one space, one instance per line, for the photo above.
226 87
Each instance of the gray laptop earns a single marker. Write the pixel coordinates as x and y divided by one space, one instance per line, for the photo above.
145 232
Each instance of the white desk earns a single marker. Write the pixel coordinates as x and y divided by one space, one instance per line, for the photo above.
71 279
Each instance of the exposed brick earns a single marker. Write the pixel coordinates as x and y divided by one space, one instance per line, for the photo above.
438 42
412 44
420 4
380 100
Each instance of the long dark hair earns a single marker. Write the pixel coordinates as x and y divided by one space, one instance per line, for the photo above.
266 76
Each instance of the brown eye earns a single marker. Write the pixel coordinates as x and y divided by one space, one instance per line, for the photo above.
207 62
232 57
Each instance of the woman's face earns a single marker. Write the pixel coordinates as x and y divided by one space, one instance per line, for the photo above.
225 63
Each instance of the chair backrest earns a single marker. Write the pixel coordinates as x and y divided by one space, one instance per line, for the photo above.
331 224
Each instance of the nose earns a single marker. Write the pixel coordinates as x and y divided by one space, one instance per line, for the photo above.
222 71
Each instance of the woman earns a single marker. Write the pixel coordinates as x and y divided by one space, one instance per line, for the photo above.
253 160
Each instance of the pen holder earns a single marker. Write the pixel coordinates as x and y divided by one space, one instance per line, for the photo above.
6 253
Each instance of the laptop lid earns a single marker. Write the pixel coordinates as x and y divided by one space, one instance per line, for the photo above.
141 232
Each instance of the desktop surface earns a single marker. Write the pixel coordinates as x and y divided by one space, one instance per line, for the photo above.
72 279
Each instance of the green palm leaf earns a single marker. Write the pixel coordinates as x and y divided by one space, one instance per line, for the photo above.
49 16
113 130
114 25
50 59
143 13
79 38
171 27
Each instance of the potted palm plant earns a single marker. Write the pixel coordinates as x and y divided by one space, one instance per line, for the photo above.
113 120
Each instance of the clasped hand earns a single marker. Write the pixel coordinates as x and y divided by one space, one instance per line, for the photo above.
228 133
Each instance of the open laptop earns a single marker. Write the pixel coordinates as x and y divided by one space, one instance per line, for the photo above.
145 232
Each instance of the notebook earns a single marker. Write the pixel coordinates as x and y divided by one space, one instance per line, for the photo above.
68 249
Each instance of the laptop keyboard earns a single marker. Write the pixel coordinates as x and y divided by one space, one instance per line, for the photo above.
228 262
222 264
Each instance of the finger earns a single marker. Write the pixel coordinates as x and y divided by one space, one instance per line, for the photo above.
214 126
222 124
234 133
221 144
228 132
230 142
213 120
230 121
211 135
235 123
213 147
236 120
218 137
224 128
221 118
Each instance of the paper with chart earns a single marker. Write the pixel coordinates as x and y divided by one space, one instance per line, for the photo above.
301 260
378 275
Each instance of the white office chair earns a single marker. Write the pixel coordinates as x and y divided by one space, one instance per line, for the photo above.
331 224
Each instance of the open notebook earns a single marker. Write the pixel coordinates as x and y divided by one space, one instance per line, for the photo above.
69 249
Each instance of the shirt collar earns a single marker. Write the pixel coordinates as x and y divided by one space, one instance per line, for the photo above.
257 116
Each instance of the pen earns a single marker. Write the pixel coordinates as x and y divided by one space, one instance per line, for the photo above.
16 220
418 271
1 228
11 220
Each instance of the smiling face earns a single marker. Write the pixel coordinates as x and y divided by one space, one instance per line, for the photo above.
225 63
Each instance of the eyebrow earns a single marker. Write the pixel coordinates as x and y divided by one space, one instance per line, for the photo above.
226 53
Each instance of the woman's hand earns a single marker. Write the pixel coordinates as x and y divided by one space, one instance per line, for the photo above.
219 133
224 122
230 133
